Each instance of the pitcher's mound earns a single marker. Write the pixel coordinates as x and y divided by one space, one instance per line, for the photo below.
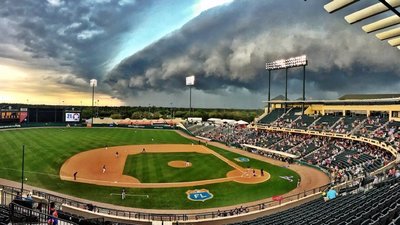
179 164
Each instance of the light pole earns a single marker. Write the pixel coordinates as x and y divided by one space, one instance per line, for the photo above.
27 109
269 90
172 113
23 169
304 87
190 83
299 61
98 105
286 72
93 84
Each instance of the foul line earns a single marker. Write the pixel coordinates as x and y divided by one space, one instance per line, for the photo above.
130 195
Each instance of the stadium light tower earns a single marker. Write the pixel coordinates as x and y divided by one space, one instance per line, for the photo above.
190 83
93 84
299 61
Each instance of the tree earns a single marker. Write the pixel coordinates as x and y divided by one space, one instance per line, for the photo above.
137 115
116 116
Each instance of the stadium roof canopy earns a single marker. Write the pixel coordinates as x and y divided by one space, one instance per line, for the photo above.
279 98
391 32
354 101
368 96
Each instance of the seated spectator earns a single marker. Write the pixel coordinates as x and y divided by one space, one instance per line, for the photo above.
331 194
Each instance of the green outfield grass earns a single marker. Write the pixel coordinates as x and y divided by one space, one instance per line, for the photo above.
46 150
153 167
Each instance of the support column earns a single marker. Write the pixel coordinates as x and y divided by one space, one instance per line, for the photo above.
286 86
269 91
190 100
304 89
92 105
23 169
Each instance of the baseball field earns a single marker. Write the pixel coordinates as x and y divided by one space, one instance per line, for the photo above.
157 178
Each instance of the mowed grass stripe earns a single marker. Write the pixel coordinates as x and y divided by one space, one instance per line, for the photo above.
42 147
155 167
159 172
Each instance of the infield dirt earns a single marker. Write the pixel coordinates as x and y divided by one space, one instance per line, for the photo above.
89 167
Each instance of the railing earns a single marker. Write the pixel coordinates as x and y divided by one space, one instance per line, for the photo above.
374 142
22 215
212 214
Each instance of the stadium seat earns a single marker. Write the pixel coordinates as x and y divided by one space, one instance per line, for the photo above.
396 221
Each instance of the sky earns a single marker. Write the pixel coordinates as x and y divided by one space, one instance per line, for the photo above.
140 51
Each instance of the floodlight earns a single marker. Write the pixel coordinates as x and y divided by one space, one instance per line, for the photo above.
93 83
190 83
299 61
190 80
287 63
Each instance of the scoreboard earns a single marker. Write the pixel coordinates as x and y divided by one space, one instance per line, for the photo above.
12 116
73 117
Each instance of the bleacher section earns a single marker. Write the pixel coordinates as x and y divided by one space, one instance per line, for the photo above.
193 127
337 155
306 147
292 114
370 125
272 116
289 141
4 215
347 124
205 129
304 122
324 123
378 206
329 148
387 132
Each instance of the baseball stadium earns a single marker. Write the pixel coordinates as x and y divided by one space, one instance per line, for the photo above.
303 161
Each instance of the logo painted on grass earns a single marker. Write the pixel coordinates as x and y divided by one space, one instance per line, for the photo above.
199 195
288 178
242 159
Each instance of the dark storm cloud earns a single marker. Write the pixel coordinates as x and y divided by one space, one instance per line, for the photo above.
72 37
227 47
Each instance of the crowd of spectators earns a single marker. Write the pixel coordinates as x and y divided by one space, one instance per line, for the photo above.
345 128
326 152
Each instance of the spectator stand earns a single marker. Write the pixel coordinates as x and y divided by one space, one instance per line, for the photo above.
325 122
379 205
272 116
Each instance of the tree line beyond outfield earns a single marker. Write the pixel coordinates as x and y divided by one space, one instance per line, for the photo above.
154 112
